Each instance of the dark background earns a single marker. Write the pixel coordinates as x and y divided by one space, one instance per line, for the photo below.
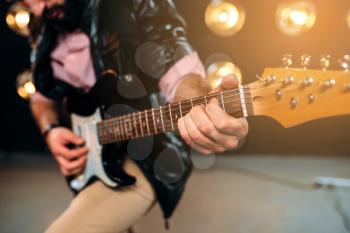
257 46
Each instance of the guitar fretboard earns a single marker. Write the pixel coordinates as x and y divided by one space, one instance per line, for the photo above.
164 119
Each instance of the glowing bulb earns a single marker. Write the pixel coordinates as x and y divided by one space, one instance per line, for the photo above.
10 20
293 18
299 17
30 88
217 70
22 19
224 17
18 19
25 86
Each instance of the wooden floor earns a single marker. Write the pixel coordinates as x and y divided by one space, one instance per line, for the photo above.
228 194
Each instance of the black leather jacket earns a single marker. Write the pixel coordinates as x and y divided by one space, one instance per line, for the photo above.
156 33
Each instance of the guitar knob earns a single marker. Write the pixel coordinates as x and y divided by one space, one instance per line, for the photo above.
287 61
344 62
305 61
325 62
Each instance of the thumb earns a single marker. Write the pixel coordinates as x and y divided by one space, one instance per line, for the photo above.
229 82
73 138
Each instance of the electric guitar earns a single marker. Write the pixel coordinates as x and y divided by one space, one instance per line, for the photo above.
290 96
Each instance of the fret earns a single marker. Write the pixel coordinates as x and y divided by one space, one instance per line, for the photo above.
191 103
171 118
222 101
135 124
154 121
149 133
115 129
141 125
101 133
205 101
161 117
120 121
125 119
180 107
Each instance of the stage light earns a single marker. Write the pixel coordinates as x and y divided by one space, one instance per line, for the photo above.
218 70
25 86
224 17
294 18
18 19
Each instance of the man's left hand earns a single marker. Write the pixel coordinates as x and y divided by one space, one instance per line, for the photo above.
210 129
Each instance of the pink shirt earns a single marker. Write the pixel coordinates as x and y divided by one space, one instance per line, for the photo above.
72 63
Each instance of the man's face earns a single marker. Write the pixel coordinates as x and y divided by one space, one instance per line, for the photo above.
38 6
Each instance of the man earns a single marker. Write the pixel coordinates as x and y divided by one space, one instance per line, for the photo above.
83 39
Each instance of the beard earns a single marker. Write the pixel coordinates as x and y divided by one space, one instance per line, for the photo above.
66 17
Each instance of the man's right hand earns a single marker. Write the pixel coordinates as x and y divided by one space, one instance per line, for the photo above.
71 161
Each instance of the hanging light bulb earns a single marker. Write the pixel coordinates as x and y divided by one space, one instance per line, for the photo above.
293 18
18 19
224 17
25 85
217 70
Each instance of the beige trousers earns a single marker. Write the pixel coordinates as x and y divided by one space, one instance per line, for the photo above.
99 209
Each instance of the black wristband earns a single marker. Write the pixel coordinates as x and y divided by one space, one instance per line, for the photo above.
47 130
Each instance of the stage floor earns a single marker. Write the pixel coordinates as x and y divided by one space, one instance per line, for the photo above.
239 194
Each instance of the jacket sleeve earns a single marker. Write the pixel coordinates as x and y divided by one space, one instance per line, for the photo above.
163 33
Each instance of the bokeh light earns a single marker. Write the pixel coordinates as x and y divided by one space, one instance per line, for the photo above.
224 17
217 70
25 85
18 19
294 18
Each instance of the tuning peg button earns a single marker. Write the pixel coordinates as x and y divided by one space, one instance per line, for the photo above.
307 82
293 102
270 79
288 80
311 98
329 83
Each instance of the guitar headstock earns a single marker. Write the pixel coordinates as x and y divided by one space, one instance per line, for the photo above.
294 96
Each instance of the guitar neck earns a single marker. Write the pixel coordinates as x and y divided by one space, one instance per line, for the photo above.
235 102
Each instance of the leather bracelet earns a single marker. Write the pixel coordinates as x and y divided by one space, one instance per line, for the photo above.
47 130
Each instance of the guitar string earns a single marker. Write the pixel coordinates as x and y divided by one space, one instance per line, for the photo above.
214 95
157 112
121 120
217 94
167 127
114 138
131 120
184 106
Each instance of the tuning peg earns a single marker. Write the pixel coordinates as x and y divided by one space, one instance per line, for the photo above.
305 61
344 62
325 62
287 61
